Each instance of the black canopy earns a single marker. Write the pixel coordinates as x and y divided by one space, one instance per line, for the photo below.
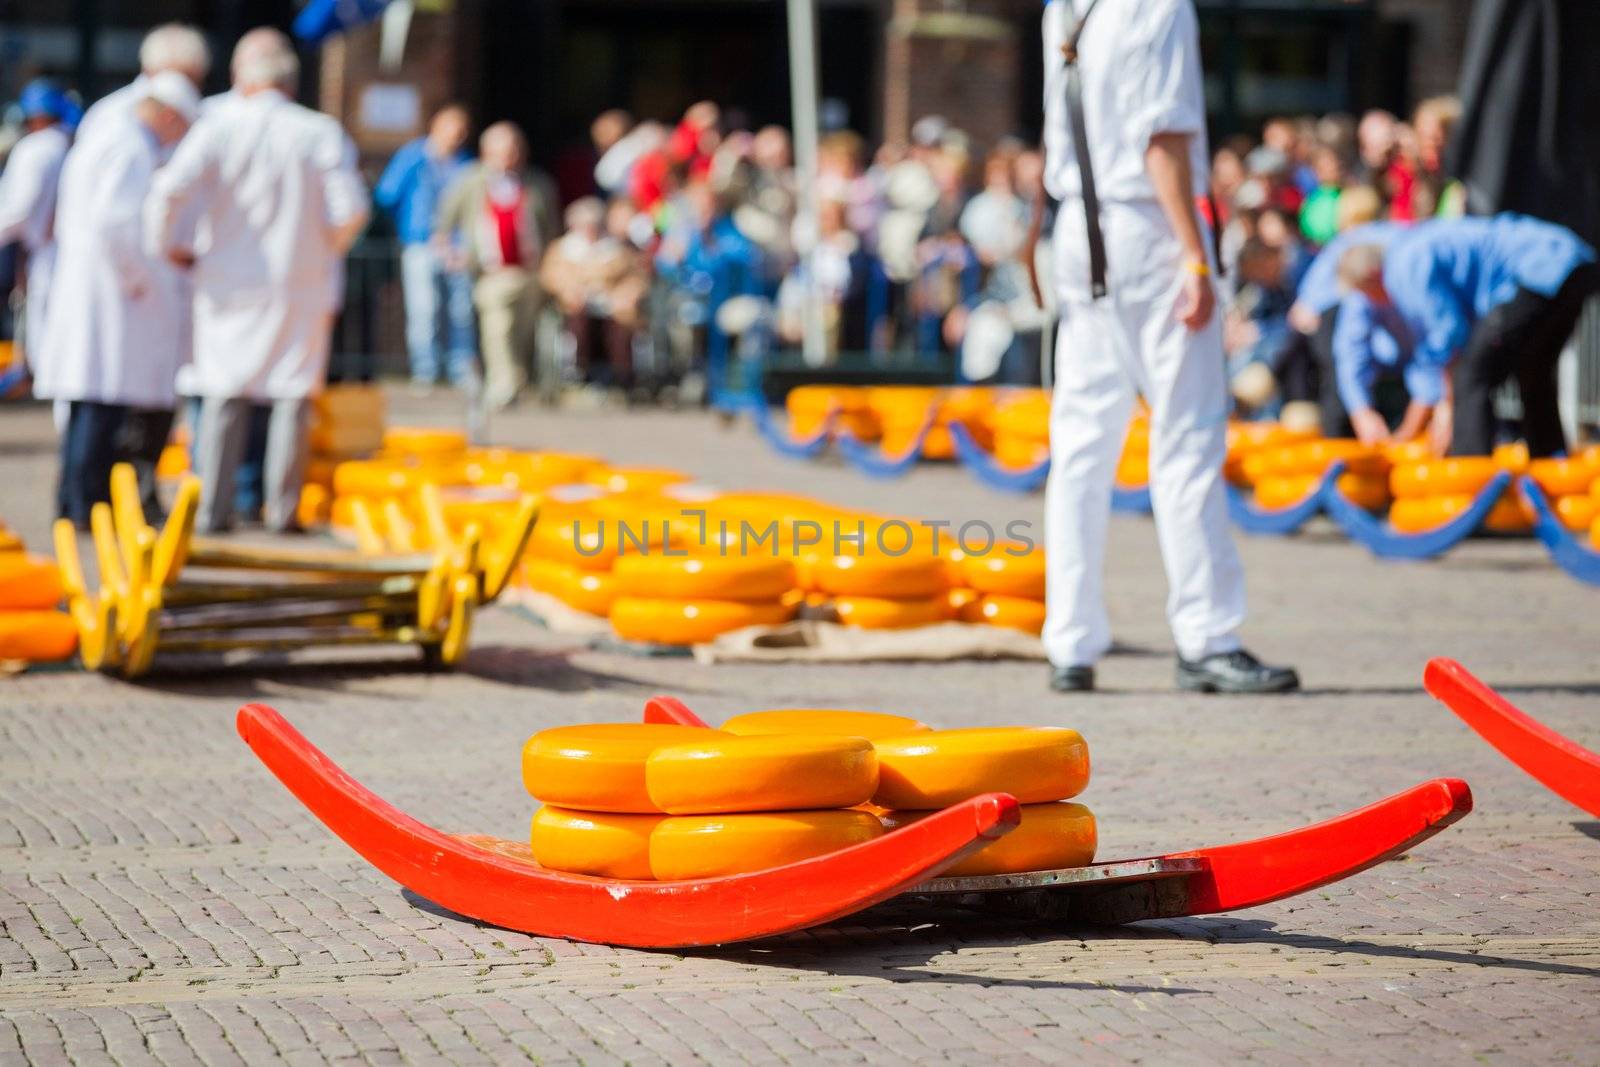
1529 136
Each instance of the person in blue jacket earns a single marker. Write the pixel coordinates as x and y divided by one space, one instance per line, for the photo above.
440 328
1491 300
1377 381
1313 318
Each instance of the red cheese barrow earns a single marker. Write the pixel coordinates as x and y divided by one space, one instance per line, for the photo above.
1563 766
497 882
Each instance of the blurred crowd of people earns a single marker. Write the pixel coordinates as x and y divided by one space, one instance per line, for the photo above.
189 252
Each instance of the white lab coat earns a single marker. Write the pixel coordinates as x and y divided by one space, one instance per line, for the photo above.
27 213
116 313
1140 68
279 200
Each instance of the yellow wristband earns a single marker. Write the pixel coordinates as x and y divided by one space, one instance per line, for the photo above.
1198 267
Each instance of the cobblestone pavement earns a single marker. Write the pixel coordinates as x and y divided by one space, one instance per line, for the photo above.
162 897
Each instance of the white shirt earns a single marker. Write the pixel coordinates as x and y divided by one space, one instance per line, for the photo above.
28 187
1139 61
112 108
279 200
116 314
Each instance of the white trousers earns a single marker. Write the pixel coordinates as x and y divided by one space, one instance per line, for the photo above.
1108 351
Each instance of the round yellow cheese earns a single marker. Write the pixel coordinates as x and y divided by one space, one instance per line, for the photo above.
885 613
1035 764
602 844
691 622
1011 612
712 846
717 772
598 766
1049 838
1005 574
592 592
868 724
869 574
709 577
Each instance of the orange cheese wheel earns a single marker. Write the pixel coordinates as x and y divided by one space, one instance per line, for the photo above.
1563 477
37 636
173 463
719 772
959 597
387 477
1133 470
1367 491
1419 514
1577 512
914 574
1010 612
592 592
1018 452
1035 764
1442 477
598 766
1004 573
691 622
1315 457
28 583
713 846
1594 535
1416 450
315 506
711 577
1277 491
1512 457
885 613
868 724
602 844
635 479
1050 837
423 441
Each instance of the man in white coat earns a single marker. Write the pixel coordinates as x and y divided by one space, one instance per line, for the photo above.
28 201
1138 309
173 47
116 315
279 201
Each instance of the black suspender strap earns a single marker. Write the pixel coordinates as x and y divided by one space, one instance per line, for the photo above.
1080 137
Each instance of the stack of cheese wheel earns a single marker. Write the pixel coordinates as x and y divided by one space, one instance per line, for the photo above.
1043 767
901 412
1248 444
637 801
874 590
1006 587
1133 467
1566 484
809 407
1020 427
31 627
1284 475
1429 493
690 599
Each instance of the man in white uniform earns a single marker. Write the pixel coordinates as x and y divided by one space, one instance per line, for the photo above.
1151 330
116 314
28 201
173 47
279 201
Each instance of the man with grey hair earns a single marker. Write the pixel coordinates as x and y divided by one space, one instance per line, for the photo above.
174 47
279 201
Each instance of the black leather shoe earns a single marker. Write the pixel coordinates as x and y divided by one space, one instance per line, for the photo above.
1234 672
1072 679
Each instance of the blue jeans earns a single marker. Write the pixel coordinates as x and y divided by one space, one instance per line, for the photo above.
439 316
88 449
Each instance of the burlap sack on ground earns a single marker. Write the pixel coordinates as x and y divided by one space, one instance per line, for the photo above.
815 641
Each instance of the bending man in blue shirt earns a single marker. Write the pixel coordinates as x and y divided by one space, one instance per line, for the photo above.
438 300
1377 383
1491 300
